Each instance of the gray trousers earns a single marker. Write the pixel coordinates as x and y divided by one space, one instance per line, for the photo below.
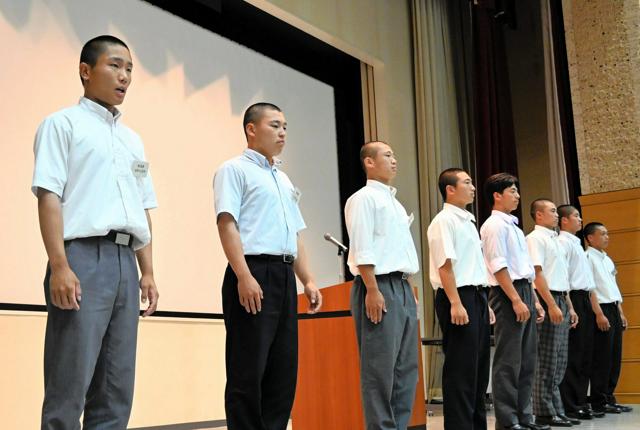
514 359
388 353
553 353
89 354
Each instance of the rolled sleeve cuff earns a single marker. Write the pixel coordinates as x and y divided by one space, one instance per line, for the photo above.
497 264
364 259
150 204
230 211
49 186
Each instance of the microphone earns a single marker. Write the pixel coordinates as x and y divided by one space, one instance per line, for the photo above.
329 238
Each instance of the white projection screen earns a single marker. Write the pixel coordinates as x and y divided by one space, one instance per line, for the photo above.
190 88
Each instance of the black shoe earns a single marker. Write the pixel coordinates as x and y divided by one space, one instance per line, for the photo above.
534 426
553 421
515 427
608 409
573 421
594 413
623 408
580 414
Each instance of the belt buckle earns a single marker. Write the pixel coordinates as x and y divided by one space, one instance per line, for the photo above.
405 276
287 258
122 239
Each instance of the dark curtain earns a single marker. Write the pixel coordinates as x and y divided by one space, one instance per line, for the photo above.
495 149
565 106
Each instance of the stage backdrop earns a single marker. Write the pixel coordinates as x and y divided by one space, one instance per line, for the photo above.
190 88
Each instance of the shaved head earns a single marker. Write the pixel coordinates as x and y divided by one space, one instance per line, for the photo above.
538 205
370 150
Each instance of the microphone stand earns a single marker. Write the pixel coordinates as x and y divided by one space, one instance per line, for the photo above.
341 275
341 251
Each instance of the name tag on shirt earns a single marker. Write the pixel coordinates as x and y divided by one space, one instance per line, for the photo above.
296 194
140 169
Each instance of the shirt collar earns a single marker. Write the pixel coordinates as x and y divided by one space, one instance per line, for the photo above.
462 213
506 217
100 110
382 187
595 252
260 159
572 237
546 231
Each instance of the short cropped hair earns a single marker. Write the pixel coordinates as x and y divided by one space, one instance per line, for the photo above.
95 47
565 211
497 184
448 177
590 229
254 113
536 206
369 149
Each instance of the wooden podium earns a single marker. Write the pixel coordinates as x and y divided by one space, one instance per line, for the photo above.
328 390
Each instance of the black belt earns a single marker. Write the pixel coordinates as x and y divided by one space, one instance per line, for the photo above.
579 292
282 258
478 288
119 238
400 275
610 304
558 293
514 282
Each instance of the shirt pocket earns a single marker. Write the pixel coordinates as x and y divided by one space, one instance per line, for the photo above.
381 220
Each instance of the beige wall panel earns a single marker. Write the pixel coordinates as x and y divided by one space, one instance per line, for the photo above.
629 278
631 344
628 383
628 398
619 211
180 371
631 308
624 246
622 214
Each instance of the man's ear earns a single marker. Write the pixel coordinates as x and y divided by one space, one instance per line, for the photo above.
85 72
250 129
368 162
450 187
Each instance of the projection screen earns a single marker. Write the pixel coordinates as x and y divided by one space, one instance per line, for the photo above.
190 88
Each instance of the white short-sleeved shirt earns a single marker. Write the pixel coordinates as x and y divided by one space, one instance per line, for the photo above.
504 245
546 252
604 275
452 235
580 274
85 155
378 228
262 200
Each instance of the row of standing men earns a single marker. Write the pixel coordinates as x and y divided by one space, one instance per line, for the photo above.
542 372
94 192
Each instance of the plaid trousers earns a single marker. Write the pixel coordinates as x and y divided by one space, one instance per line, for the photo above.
553 352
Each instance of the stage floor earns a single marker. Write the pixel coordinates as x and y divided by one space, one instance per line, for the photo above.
624 421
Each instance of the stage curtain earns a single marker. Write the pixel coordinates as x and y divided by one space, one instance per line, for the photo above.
439 142
559 185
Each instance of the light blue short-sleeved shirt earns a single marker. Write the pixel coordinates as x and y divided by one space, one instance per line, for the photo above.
263 202
85 155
